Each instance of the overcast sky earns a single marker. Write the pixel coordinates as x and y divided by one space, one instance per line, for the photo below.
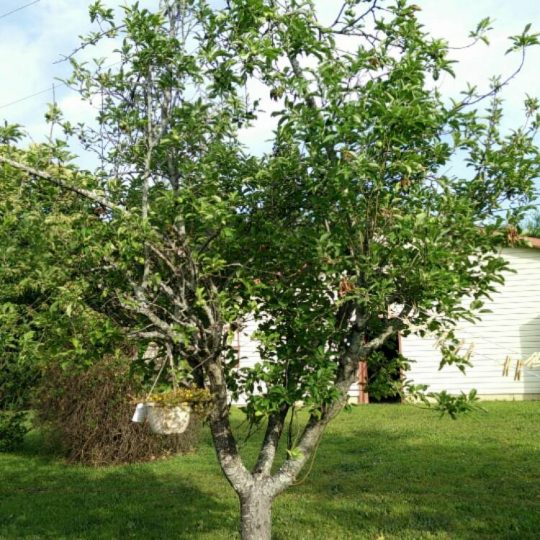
33 38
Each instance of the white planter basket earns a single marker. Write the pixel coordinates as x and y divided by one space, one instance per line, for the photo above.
163 420
168 420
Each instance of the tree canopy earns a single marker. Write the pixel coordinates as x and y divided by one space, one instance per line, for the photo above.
350 230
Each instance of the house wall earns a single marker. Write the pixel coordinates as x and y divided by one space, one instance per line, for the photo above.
511 330
248 355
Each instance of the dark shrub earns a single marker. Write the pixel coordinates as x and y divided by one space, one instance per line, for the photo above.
89 413
12 430
17 379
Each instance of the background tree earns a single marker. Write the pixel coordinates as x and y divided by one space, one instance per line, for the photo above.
348 232
47 235
532 225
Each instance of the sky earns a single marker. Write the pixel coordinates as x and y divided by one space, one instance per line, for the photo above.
33 40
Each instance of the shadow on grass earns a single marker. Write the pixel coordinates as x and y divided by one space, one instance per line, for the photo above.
42 497
386 472
375 484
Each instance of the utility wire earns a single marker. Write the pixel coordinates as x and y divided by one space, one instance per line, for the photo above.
7 14
18 9
45 90
25 98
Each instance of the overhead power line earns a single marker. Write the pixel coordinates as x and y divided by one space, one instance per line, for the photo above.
18 9
25 98
31 96
46 90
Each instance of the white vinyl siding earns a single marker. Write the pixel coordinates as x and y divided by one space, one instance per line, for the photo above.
512 329
249 355
354 393
247 350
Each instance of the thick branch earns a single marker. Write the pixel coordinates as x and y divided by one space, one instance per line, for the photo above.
297 69
224 441
311 436
317 423
269 446
93 196
155 335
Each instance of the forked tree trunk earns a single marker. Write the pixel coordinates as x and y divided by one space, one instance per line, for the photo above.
256 515
256 490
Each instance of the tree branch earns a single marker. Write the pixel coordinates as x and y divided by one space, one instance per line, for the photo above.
494 90
93 196
317 423
224 441
310 438
271 439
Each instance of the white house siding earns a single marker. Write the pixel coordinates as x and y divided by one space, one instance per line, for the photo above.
512 329
248 355
354 393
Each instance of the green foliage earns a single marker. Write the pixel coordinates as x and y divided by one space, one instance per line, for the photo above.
198 399
12 430
523 40
10 133
455 405
48 301
532 225
17 379
386 375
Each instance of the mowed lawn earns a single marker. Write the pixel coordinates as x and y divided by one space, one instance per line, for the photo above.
382 471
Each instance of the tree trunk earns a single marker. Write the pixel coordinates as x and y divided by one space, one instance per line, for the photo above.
256 515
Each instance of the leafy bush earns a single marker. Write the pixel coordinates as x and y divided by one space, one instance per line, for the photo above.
385 381
532 226
89 412
12 430
17 379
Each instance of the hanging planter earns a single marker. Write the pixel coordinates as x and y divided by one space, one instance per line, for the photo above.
168 420
162 419
169 413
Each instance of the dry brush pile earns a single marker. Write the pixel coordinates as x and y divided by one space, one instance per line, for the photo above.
87 414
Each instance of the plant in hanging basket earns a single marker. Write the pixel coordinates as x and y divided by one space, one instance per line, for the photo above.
168 413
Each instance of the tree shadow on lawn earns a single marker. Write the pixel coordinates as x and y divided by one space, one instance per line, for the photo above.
372 476
400 485
41 497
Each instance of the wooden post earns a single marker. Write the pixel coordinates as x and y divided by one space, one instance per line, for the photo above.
363 396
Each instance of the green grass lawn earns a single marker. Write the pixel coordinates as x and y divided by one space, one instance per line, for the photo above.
382 471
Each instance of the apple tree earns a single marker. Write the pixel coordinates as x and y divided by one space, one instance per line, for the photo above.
357 225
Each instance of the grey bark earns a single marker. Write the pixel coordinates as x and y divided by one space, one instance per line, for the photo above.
270 443
93 196
256 514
